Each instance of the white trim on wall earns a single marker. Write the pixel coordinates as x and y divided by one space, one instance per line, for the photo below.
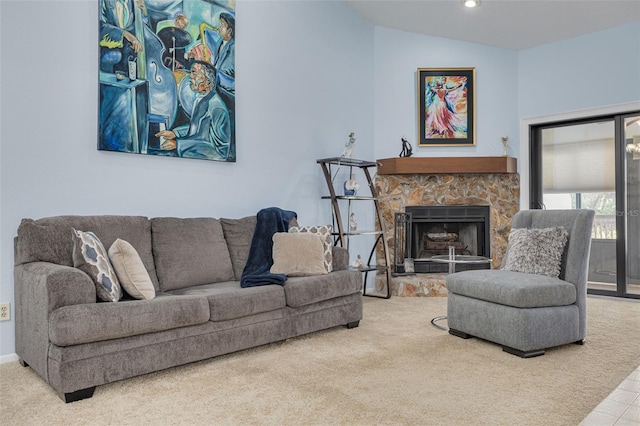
525 123
8 358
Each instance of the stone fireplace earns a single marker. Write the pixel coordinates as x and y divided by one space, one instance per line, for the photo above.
415 183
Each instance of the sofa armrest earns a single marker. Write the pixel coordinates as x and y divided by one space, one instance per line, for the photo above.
340 258
49 286
41 288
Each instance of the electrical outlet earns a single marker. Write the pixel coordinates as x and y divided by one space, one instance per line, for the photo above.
5 311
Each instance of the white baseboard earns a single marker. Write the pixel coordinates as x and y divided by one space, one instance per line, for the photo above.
8 358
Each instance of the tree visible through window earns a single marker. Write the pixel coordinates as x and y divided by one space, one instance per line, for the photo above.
604 204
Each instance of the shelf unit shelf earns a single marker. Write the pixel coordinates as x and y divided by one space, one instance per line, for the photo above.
342 234
349 197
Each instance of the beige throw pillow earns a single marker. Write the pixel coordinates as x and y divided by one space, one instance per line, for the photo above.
131 272
325 232
298 254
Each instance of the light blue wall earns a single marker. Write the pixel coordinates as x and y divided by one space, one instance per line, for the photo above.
311 72
399 54
304 72
590 75
593 70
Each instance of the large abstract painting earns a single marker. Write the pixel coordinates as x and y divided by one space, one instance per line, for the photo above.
167 78
446 106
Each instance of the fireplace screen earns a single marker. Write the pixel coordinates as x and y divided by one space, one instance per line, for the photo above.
433 229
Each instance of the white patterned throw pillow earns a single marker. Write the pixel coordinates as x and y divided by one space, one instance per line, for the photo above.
90 256
325 232
536 251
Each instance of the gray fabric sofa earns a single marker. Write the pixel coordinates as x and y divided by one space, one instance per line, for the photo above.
200 311
527 312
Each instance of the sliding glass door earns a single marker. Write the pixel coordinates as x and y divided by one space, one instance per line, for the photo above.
590 164
631 136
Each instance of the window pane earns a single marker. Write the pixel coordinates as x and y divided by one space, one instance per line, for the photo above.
579 158
578 171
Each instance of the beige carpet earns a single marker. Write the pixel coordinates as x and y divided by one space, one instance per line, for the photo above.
394 369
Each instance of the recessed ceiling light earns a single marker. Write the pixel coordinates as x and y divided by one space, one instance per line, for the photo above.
471 3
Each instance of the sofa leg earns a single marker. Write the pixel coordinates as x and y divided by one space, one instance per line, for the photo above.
459 333
579 342
523 354
353 324
77 395
23 362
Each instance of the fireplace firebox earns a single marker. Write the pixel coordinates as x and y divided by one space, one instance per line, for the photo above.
431 230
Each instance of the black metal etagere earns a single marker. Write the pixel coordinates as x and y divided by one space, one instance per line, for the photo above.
342 233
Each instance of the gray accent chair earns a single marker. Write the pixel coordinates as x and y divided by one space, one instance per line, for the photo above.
527 313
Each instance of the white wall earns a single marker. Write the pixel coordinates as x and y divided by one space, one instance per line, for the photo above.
399 54
304 73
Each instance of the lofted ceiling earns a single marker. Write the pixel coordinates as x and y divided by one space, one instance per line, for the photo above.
508 24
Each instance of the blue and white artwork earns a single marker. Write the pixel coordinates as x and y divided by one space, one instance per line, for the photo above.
167 78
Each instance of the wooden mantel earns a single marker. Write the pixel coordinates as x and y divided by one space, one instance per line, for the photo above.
446 165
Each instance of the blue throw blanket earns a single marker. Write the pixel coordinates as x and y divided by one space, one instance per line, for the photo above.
256 272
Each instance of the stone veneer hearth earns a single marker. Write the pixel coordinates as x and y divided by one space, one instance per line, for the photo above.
500 191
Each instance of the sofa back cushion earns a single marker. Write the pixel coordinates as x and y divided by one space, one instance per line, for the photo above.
190 252
51 239
238 233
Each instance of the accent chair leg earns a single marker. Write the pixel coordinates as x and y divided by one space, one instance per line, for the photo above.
353 324
579 342
523 354
459 333
77 395
23 362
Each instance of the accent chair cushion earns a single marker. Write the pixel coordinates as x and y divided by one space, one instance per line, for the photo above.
90 256
130 270
510 288
298 254
536 250
323 231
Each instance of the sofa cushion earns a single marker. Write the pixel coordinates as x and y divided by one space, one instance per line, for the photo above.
228 300
90 256
536 251
238 234
50 239
190 252
73 325
132 275
323 231
301 291
340 256
512 288
298 254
